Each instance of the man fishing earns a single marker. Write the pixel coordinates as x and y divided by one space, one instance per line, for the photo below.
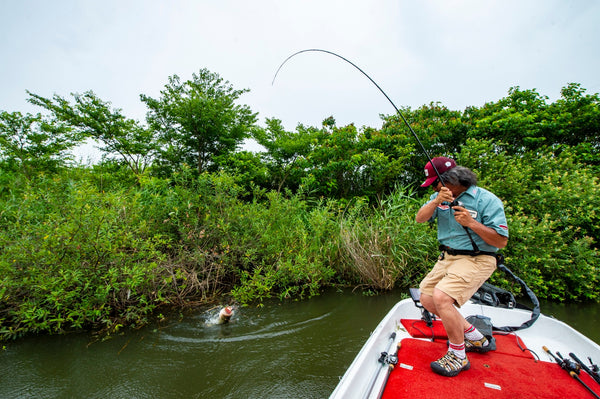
471 228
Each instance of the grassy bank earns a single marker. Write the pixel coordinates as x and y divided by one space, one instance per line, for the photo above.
98 249
81 251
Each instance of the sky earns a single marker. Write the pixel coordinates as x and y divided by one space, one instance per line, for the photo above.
457 52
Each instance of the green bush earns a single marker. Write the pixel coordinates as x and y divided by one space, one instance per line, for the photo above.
100 248
71 259
281 247
551 204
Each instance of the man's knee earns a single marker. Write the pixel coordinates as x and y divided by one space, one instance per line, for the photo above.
427 302
441 299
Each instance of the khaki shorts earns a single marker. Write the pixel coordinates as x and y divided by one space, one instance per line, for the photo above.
459 276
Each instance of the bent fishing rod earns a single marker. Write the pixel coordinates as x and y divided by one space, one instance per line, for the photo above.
536 310
376 85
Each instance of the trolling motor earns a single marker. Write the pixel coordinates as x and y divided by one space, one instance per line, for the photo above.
426 316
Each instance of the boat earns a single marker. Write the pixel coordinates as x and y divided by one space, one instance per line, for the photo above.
536 356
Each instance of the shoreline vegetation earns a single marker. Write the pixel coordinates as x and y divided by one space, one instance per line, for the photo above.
176 215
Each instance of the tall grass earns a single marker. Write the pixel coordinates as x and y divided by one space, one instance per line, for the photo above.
384 246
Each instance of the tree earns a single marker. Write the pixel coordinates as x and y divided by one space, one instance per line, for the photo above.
577 120
519 122
93 118
440 130
198 120
287 152
30 142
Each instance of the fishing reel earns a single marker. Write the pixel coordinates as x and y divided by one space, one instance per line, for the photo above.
592 370
568 364
593 366
388 358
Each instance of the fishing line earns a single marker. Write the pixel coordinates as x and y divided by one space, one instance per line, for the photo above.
376 85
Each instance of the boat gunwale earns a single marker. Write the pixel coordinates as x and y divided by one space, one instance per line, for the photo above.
366 372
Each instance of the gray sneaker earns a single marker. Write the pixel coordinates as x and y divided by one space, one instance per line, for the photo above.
450 365
483 345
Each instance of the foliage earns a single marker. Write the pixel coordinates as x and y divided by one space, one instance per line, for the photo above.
441 131
175 214
287 153
335 162
94 118
552 208
31 143
384 246
524 121
198 120
247 169
72 259
283 248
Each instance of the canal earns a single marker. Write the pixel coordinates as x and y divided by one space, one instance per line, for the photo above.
280 350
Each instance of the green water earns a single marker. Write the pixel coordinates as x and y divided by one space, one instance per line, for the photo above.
281 350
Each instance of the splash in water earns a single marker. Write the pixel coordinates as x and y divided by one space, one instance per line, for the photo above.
222 316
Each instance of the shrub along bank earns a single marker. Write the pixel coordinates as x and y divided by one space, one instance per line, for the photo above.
81 249
78 255
109 245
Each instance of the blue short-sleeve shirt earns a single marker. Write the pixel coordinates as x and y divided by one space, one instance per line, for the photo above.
484 207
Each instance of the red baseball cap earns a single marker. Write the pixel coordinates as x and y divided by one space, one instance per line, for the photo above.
442 164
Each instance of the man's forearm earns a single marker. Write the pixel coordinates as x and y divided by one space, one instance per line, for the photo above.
426 212
489 235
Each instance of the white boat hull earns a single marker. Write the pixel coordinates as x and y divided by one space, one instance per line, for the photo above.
366 376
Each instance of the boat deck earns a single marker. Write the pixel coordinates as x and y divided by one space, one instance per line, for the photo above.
511 371
518 368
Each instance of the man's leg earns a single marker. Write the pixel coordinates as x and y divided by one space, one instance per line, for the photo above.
429 304
454 323
455 360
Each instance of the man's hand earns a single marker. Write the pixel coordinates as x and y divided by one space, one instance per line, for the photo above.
463 216
444 195
489 235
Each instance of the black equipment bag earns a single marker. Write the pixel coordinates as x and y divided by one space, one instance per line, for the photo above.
491 295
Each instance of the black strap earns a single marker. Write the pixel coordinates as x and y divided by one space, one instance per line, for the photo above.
475 247
452 251
535 313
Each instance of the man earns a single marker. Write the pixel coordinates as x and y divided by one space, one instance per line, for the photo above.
471 228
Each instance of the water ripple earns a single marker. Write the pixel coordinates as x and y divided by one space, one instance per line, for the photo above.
263 333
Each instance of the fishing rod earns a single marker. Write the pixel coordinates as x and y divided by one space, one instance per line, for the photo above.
385 359
435 169
392 361
380 89
593 374
570 367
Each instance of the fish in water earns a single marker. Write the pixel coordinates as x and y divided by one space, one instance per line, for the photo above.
225 314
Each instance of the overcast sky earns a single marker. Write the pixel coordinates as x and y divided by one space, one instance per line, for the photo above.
459 53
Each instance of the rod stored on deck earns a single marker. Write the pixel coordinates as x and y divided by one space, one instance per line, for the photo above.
570 367
386 360
593 374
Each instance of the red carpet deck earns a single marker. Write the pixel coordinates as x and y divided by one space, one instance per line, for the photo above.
507 372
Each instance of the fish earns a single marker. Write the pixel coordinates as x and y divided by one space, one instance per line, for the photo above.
225 315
